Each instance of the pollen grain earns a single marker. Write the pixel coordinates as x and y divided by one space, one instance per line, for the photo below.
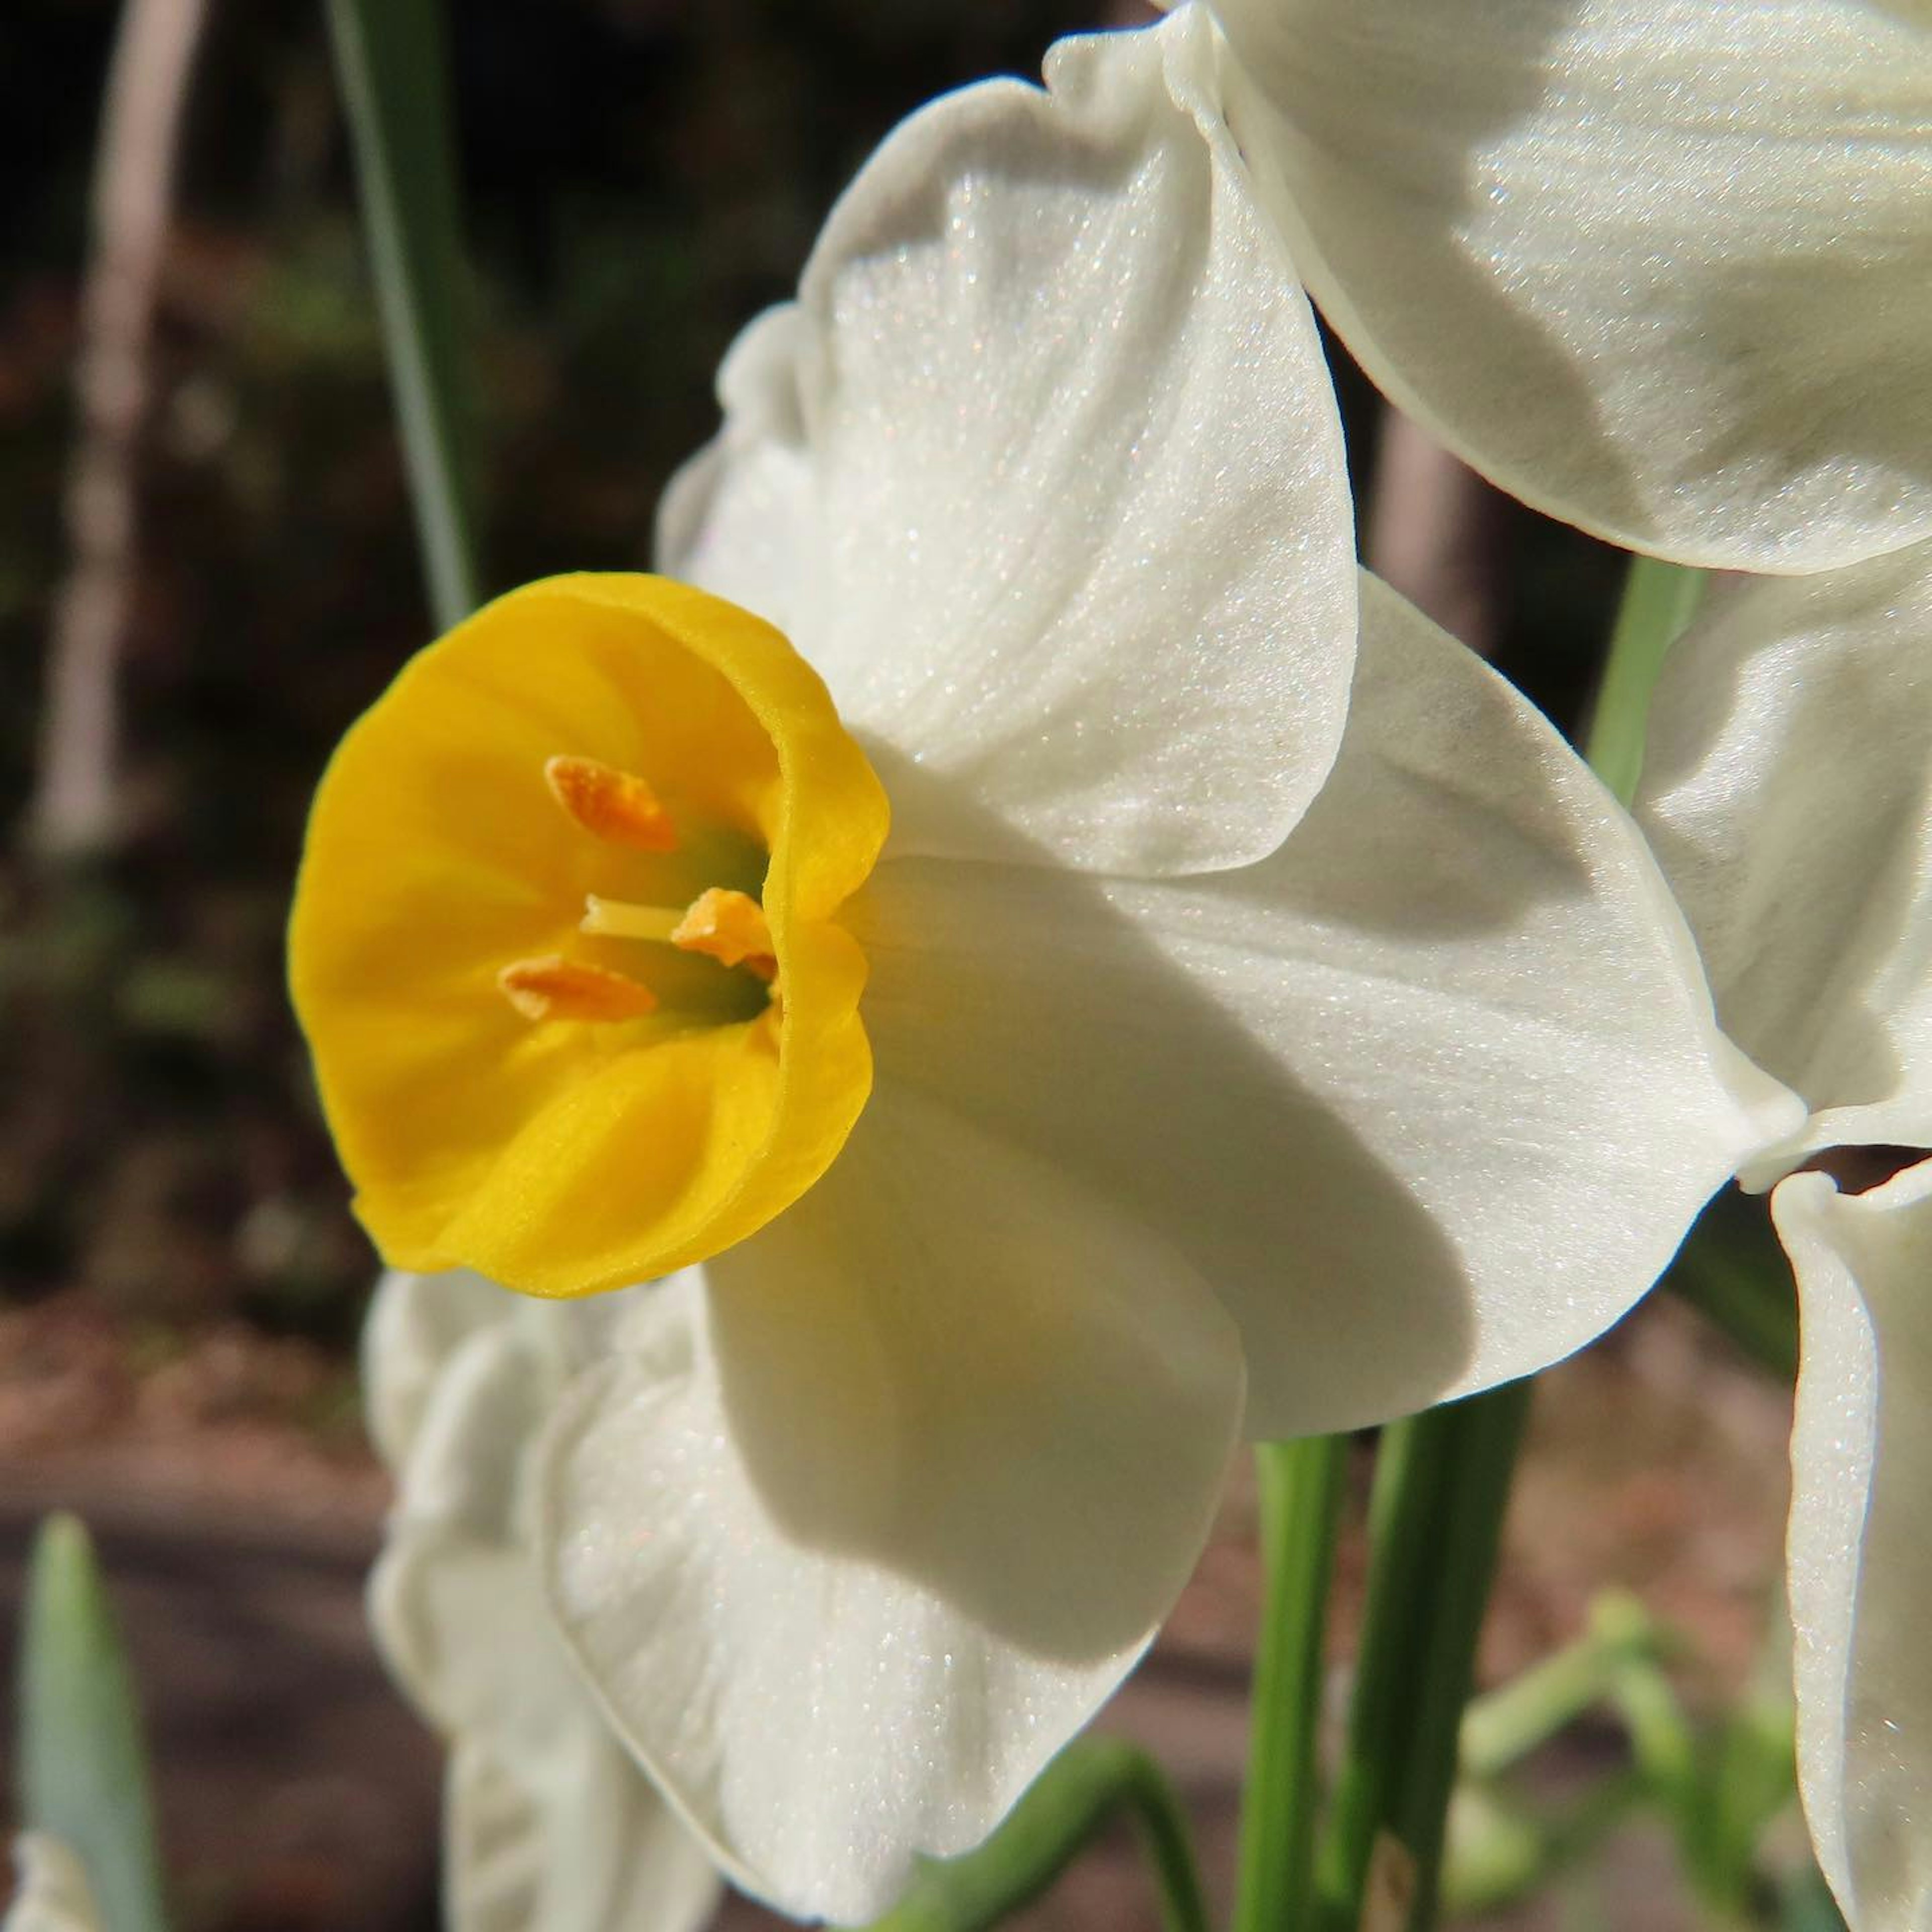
613 804
731 927
553 988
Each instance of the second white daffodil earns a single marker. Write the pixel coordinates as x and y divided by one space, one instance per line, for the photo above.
546 1822
52 1893
1663 268
1235 1033
1787 790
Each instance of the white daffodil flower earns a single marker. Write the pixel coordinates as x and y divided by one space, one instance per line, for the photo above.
1787 791
1223 1082
548 1823
1662 267
1861 1448
52 1893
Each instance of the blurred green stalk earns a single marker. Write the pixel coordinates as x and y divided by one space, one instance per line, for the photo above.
1512 1721
393 68
83 1767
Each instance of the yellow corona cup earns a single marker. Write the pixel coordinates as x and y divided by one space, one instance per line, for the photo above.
565 941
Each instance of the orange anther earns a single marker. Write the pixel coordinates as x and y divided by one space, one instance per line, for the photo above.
611 803
553 987
731 927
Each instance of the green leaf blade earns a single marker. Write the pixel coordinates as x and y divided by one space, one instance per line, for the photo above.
393 69
83 1769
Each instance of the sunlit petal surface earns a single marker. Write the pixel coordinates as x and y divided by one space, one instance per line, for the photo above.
1663 268
1044 475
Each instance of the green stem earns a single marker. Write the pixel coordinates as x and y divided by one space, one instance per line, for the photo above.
1434 1521
1161 1820
1406 1508
1659 600
1301 1492
1478 1439
1662 1740
1085 1785
394 73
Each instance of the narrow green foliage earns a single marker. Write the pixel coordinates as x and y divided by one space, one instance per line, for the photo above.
1435 1517
1722 1788
394 70
83 1775
1088 1783
1301 1494
1407 1509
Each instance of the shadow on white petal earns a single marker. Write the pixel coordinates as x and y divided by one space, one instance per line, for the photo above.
1428 1096
1324 107
952 1360
852 1543
575 1842
548 1823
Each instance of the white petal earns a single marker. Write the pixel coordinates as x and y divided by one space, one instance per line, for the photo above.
577 1842
868 1522
454 1597
415 1323
548 1823
1430 1096
1787 791
1861 1562
1663 268
53 1894
738 518
1077 541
